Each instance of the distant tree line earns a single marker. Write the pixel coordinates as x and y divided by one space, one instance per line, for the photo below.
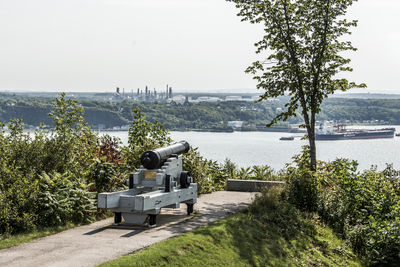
201 116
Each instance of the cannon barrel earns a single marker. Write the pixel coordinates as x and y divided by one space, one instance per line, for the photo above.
152 159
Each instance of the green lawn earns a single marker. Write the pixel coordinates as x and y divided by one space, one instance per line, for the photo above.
268 234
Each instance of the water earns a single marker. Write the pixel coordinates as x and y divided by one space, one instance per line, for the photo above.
265 148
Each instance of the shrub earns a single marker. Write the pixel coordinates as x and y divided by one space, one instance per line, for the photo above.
107 170
142 136
302 184
63 199
264 172
206 173
303 189
363 207
44 179
17 205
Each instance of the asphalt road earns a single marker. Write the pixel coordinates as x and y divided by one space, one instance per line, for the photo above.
99 242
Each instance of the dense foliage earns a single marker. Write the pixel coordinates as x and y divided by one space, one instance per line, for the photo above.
363 207
264 172
45 177
50 178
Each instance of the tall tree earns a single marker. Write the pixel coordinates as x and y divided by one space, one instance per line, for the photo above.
304 43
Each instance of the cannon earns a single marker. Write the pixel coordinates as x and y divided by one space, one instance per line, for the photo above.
159 183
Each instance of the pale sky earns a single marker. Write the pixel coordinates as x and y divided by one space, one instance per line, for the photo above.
192 45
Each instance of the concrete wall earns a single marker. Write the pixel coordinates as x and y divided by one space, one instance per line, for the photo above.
251 185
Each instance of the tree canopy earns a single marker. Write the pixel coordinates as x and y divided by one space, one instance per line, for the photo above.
304 43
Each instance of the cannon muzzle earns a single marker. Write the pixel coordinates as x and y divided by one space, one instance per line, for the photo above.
153 159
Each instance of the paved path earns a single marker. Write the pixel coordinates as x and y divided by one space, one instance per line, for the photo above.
99 242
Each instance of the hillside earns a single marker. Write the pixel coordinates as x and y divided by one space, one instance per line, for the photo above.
209 116
269 233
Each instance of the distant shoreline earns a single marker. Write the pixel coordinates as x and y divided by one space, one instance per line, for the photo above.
273 129
293 128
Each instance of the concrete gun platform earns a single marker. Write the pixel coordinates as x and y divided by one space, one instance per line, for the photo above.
92 244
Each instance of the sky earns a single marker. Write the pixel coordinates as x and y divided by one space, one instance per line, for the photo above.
192 45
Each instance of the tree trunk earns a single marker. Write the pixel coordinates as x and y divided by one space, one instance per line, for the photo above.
311 139
313 152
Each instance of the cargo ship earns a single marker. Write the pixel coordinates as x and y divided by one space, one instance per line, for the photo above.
339 132
287 138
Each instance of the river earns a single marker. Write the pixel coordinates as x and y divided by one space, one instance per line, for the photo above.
265 148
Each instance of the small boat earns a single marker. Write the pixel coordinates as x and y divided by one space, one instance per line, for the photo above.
398 134
287 138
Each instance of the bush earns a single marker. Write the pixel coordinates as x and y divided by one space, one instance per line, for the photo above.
206 173
303 185
107 171
303 189
61 199
264 172
142 136
44 180
17 195
363 207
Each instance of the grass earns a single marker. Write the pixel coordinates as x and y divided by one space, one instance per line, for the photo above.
269 233
14 240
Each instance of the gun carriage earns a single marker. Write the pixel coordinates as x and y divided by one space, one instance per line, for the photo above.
159 183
